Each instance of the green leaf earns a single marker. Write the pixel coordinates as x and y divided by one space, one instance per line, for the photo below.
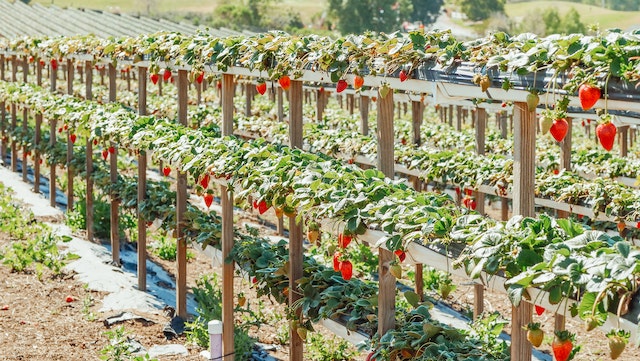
412 298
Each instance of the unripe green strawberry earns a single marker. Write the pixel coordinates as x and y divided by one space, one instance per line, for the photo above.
532 101
545 124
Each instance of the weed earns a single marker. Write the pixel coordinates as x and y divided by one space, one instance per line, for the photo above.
119 348
167 249
320 348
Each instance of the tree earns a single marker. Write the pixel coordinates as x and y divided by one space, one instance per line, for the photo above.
426 11
358 16
480 9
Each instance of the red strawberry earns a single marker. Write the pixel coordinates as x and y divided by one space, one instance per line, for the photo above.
204 181
606 133
60 130
255 204
285 82
504 104
254 279
358 81
341 86
559 129
588 95
262 207
166 75
219 84
562 345
200 78
31 59
556 172
95 142
457 189
54 64
73 138
208 199
154 78
41 62
261 87
69 299
468 192
344 240
336 261
112 149
105 154
370 356
473 204
638 225
401 255
65 126
321 90
403 76
539 310
5 308
346 270
166 171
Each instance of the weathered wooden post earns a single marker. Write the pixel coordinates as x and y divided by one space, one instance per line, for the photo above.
295 229
88 82
504 202
624 141
364 115
14 117
113 163
386 164
226 203
481 124
417 115
142 185
524 149
181 207
69 142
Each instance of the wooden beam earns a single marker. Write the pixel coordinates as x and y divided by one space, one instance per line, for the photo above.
113 165
181 206
295 228
386 163
88 94
226 199
142 186
523 204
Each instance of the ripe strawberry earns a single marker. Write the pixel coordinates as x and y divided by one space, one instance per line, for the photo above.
559 129
457 189
166 75
344 240
401 255
556 171
112 149
396 270
105 154
65 126
606 133
166 171
539 310
69 299
208 199
358 81
618 340
95 142
562 345
42 62
154 78
73 138
403 76
255 204
370 356
60 130
638 225
534 334
588 95
31 59
346 270
468 191
219 84
204 181
54 64
313 235
254 279
504 104
200 78
621 226
341 86
262 207
336 261
473 204
285 82
261 87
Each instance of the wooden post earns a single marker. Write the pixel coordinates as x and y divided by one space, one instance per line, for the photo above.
478 300
3 136
2 70
504 206
417 115
181 207
53 78
142 185
386 162
38 72
280 105
52 166
350 100
69 143
624 144
14 147
88 82
364 115
113 163
36 162
481 124
25 69
226 200
450 114
198 91
295 228
319 104
524 149
459 118
25 123
248 93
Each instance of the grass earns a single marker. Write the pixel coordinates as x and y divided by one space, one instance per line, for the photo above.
306 8
589 14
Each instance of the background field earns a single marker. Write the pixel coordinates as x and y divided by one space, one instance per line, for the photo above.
589 14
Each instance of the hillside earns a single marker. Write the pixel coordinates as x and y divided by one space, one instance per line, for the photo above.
589 14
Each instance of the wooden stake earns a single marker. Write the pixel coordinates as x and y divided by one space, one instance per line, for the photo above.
14 146
25 123
478 300
69 144
386 162
113 163
481 124
523 204
226 199
52 172
248 94
624 144
295 229
88 79
181 207
364 115
36 163
280 105
142 185
504 207
3 136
